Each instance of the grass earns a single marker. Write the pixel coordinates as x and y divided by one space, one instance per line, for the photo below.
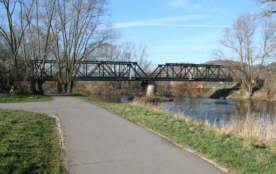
28 143
252 126
23 98
239 155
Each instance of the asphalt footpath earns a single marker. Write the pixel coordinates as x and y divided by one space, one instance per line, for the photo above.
100 142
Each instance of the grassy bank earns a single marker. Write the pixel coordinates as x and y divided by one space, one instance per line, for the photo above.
4 98
28 143
239 155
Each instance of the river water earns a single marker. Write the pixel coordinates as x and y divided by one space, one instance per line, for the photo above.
216 111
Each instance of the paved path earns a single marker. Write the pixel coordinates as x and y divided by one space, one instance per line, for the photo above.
99 142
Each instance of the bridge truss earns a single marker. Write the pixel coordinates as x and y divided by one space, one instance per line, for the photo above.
131 71
191 72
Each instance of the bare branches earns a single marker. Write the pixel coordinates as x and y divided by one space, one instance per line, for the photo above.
270 7
16 20
248 54
77 33
66 30
268 42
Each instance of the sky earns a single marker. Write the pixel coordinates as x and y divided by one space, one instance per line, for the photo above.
176 31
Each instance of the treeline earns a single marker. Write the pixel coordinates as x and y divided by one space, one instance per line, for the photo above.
68 31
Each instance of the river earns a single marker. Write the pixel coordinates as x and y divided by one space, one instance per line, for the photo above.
216 111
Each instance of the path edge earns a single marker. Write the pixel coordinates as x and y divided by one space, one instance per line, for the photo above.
63 159
60 131
212 162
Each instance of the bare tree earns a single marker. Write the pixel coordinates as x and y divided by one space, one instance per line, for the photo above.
126 51
12 29
77 31
106 52
141 56
37 43
248 54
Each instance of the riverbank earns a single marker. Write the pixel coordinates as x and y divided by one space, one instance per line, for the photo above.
167 90
239 155
6 98
29 143
224 93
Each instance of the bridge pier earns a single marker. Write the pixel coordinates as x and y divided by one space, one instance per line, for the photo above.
150 90
149 87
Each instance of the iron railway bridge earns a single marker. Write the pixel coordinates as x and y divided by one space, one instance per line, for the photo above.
131 71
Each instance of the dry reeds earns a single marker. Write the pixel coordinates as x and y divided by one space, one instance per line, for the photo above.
140 102
251 126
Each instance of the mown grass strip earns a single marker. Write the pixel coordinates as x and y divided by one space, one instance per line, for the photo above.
28 143
235 153
23 98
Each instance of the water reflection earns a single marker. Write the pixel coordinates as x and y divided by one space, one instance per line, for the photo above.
218 111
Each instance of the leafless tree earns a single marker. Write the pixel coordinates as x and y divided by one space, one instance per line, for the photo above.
141 56
247 53
12 29
125 51
107 52
37 43
77 31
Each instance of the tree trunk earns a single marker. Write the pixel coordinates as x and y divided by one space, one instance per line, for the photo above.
33 87
71 86
40 87
59 87
250 90
65 87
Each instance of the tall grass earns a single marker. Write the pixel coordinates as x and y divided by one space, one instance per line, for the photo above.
250 126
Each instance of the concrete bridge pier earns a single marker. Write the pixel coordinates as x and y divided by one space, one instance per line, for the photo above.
149 88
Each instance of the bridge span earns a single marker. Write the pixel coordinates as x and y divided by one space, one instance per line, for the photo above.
131 71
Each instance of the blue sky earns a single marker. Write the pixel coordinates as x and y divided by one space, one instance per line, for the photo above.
176 30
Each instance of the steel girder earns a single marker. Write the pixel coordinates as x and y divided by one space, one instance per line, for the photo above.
131 71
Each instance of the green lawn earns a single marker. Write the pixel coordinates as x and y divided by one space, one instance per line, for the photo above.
23 98
28 144
242 156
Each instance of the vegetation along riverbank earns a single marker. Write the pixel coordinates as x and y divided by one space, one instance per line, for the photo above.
234 92
5 98
238 154
166 91
28 143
